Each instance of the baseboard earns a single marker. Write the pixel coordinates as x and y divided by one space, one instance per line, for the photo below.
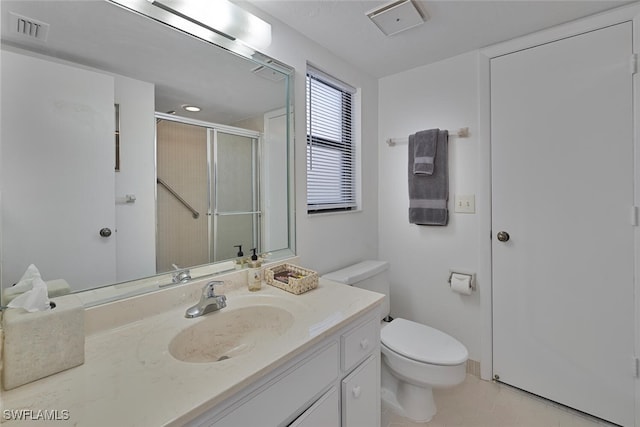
473 368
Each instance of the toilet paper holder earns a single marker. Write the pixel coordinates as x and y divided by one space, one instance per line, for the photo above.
472 276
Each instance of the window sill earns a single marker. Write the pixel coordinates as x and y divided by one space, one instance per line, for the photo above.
319 214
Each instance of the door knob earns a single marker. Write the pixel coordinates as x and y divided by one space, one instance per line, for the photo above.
503 236
105 232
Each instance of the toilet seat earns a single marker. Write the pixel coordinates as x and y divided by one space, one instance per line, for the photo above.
422 343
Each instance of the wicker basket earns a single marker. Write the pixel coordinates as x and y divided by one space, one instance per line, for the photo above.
291 278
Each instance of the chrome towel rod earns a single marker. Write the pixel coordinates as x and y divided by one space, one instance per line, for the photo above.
461 133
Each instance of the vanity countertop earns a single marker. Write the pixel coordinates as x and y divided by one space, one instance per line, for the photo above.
129 378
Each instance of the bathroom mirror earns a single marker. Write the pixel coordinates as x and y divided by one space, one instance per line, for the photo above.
106 178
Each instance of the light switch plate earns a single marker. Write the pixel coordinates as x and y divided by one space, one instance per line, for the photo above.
465 203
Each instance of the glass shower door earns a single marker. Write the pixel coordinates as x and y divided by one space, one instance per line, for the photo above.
235 194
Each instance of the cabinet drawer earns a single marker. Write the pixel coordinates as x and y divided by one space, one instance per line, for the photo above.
288 394
359 343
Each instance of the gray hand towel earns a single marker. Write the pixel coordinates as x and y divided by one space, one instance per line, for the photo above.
429 194
425 149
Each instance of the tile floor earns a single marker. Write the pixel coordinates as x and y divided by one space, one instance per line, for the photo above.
478 403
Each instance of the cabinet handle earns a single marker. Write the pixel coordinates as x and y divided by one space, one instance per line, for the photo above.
364 344
356 391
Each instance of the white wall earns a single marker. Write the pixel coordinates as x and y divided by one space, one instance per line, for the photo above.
328 242
274 177
442 95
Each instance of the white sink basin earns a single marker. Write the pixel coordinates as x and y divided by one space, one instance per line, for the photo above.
230 332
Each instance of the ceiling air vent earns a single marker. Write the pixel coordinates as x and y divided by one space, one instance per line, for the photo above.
28 27
397 16
269 73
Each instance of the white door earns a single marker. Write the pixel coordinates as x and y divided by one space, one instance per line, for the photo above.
562 188
59 120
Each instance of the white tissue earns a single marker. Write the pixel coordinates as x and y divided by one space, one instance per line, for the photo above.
26 281
35 299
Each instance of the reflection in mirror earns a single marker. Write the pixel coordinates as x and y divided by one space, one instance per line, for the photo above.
215 168
105 177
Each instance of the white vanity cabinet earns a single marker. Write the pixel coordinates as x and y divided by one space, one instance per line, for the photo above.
336 382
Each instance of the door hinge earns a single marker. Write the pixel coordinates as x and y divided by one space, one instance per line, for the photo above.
636 367
633 64
634 215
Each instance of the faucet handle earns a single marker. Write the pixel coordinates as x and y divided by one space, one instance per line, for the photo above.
209 289
181 276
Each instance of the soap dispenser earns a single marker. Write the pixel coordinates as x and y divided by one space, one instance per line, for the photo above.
240 261
254 276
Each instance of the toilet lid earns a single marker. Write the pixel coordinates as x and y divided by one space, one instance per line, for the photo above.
423 343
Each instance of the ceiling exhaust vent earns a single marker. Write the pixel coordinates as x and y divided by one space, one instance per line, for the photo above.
269 73
29 28
397 16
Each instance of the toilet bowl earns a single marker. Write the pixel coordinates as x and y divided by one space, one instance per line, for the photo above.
415 358
418 358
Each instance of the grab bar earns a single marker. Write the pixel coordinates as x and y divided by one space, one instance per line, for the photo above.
194 212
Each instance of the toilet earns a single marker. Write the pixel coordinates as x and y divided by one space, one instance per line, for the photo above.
415 357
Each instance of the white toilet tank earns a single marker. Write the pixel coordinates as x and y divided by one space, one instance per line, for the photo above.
370 275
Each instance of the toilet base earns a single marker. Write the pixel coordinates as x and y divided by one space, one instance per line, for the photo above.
417 402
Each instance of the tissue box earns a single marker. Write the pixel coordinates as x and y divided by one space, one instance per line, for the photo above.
40 344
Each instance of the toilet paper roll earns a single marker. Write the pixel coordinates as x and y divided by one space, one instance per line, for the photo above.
461 283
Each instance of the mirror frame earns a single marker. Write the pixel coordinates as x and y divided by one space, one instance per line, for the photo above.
116 291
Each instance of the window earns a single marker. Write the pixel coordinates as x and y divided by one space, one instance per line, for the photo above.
330 146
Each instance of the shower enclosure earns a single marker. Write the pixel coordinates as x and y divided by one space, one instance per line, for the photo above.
208 192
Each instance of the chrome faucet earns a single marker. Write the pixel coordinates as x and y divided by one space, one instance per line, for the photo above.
181 276
209 301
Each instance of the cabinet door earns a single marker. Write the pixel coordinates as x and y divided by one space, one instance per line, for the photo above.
323 413
361 395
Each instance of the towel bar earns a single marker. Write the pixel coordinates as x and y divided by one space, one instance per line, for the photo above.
461 133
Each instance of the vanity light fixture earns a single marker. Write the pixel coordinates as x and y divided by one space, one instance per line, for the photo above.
191 108
397 16
223 18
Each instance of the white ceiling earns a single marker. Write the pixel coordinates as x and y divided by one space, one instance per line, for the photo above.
101 35
453 27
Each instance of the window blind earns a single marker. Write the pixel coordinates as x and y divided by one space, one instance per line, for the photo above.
330 145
